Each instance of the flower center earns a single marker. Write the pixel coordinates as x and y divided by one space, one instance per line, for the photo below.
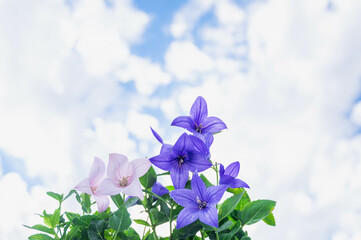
93 189
199 128
124 182
181 160
201 204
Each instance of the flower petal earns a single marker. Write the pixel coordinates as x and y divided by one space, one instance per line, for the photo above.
96 172
184 197
84 186
159 189
184 122
213 125
199 110
102 202
165 161
199 145
238 183
232 169
187 216
108 187
198 162
209 216
225 179
134 189
115 164
221 170
179 176
214 194
140 166
183 145
198 187
156 135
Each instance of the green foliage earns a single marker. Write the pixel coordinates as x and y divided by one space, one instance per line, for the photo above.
120 219
256 211
148 179
270 220
229 205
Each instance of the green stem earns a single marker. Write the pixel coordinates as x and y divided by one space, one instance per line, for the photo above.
217 173
202 234
170 220
217 237
152 224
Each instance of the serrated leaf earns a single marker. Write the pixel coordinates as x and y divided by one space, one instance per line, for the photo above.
40 236
56 196
270 220
142 222
228 206
41 228
120 219
256 211
148 179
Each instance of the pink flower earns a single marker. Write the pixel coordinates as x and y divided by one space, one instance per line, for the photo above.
90 185
123 176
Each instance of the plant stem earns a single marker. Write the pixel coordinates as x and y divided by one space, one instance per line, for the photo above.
152 224
202 234
170 220
216 165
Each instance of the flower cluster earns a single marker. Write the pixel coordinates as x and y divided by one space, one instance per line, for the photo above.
194 203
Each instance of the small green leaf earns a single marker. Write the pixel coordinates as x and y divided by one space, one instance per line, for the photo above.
131 201
54 218
120 219
142 222
84 221
229 205
96 229
163 174
230 234
69 194
270 220
187 231
86 202
40 236
41 228
246 238
206 181
256 211
148 179
71 215
56 196
170 188
224 226
118 200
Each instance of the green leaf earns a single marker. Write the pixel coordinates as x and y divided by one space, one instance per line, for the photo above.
224 226
158 217
41 228
246 238
84 221
71 215
187 231
40 236
131 201
163 174
142 222
229 205
96 229
234 230
148 179
270 220
86 202
56 196
120 220
256 211
69 194
245 198
54 218
118 200
170 188
206 181
74 234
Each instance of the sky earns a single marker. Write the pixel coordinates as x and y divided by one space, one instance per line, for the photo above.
85 78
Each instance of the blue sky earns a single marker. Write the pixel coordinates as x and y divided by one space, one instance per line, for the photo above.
87 78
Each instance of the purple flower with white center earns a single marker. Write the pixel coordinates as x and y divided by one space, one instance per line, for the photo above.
198 121
228 176
199 203
180 159
159 190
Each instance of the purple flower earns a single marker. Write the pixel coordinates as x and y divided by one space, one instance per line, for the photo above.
180 159
202 143
165 146
159 190
198 121
199 203
228 176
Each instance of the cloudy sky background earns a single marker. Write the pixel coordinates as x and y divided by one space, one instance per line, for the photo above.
83 78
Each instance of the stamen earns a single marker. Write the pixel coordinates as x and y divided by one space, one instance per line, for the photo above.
181 160
201 205
124 182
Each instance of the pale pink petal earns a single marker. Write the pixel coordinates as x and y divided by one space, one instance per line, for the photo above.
141 166
116 163
96 172
127 170
108 187
134 189
102 202
84 186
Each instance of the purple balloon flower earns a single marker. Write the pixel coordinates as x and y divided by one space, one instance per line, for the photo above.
159 190
198 121
165 146
228 176
199 203
180 159
202 143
